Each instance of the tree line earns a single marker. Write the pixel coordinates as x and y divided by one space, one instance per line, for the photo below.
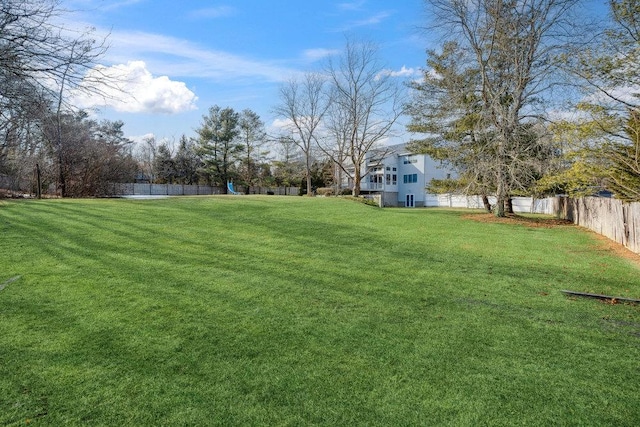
492 103
48 143
230 146
40 64
490 100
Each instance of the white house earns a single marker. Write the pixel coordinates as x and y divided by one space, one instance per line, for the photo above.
400 177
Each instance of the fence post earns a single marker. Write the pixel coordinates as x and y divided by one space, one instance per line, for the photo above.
625 222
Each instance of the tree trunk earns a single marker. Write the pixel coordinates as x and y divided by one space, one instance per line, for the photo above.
501 190
38 182
500 212
501 198
308 173
509 205
61 176
309 189
355 192
485 202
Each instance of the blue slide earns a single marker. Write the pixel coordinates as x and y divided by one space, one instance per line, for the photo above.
230 188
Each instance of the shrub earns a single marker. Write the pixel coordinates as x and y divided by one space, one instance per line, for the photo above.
362 199
324 191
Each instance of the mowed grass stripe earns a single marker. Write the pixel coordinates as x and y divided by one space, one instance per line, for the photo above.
289 311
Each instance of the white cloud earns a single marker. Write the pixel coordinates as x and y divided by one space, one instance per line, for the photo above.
212 12
615 96
86 5
281 125
179 57
571 115
121 4
131 88
354 5
402 72
320 53
372 20
366 22
142 139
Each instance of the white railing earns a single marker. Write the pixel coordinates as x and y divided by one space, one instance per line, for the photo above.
368 186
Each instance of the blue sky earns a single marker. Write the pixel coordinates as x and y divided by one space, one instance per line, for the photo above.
182 57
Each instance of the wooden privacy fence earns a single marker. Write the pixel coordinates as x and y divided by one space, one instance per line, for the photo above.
612 218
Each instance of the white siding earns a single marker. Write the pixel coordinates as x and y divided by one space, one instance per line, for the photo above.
413 173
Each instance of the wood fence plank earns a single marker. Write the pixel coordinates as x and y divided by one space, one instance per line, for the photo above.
612 218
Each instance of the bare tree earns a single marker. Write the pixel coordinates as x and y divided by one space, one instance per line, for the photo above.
336 144
40 62
303 105
366 103
34 48
19 131
513 46
253 137
288 167
145 153
93 156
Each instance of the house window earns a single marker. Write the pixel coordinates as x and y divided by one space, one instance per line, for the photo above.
394 169
410 159
388 178
394 178
410 178
388 168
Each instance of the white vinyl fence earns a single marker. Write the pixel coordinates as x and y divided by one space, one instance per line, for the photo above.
191 190
547 206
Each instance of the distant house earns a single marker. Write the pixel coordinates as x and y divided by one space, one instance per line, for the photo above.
400 177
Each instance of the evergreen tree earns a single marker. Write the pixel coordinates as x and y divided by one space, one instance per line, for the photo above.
187 162
218 145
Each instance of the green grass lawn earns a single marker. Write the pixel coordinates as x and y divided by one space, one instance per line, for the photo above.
301 311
